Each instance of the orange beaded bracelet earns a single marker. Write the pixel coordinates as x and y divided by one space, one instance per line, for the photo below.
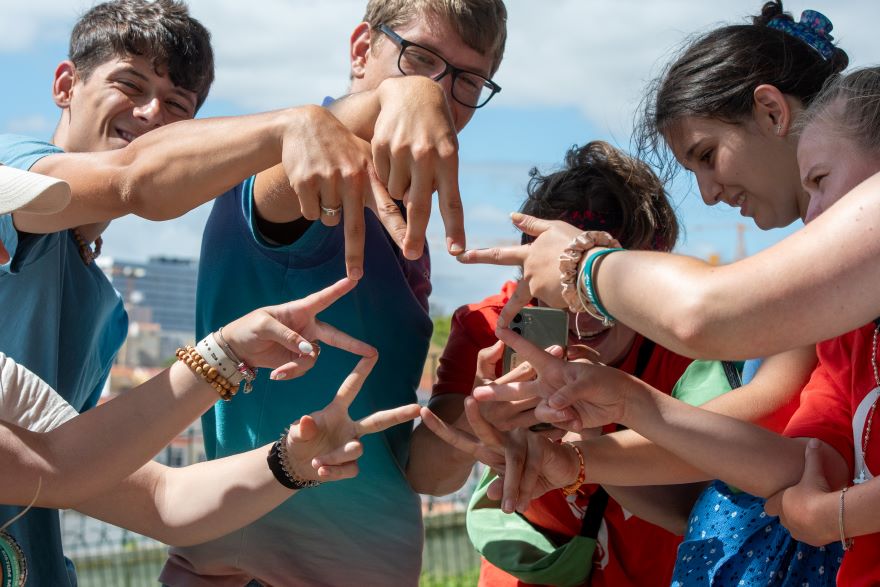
582 472
200 367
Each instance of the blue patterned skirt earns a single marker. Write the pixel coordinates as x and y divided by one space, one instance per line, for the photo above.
731 541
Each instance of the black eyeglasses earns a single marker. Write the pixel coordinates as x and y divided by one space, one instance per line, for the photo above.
468 88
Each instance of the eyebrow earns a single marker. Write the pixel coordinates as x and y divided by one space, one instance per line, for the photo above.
690 152
181 92
439 53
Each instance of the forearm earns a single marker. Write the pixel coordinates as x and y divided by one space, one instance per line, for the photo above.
193 504
742 454
435 467
626 458
828 268
861 513
99 448
166 172
667 506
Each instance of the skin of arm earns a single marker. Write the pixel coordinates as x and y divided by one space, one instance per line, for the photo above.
435 467
168 171
742 454
399 135
194 504
628 458
807 294
667 506
159 408
207 500
97 449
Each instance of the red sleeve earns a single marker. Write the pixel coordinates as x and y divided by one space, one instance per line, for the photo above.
471 330
824 412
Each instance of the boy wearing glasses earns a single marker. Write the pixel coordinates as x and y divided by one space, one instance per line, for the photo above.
258 249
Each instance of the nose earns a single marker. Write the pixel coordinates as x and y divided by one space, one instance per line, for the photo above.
150 112
710 190
814 209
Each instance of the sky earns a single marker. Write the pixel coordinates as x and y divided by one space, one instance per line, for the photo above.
573 71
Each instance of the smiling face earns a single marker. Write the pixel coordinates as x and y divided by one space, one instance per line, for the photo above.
742 166
374 58
831 165
121 100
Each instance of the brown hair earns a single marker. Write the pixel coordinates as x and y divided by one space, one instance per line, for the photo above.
481 24
851 105
716 74
160 30
603 188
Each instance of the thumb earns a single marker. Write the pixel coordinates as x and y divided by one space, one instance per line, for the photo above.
813 473
304 430
529 224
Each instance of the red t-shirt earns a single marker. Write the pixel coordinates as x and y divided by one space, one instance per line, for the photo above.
629 551
834 408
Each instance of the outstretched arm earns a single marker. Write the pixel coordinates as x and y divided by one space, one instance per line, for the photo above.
167 171
96 450
742 454
208 500
815 284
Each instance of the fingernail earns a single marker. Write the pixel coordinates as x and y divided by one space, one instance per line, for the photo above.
508 506
502 323
455 248
813 443
356 273
279 376
305 347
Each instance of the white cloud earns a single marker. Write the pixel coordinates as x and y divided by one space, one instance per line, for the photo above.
593 55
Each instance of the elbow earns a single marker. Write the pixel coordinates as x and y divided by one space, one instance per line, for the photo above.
694 329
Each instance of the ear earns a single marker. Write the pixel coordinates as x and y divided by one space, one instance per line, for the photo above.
62 85
360 49
771 110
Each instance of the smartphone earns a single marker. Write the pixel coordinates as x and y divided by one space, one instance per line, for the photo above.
543 327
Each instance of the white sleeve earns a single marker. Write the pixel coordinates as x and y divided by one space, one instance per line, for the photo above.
28 401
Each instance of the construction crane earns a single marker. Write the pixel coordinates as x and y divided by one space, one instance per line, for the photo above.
714 258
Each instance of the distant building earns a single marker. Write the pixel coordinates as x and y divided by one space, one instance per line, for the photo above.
160 296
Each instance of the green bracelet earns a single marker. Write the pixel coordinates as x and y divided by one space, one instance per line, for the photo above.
587 276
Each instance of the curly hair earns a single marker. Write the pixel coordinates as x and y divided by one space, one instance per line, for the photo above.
603 188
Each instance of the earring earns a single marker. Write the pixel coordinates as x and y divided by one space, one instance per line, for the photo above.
778 129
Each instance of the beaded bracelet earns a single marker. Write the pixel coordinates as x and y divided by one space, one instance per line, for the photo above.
570 260
279 464
582 472
587 277
845 542
195 361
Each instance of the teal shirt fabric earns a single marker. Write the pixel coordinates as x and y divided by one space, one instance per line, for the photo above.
365 530
62 320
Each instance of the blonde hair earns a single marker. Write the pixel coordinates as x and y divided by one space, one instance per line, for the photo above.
850 104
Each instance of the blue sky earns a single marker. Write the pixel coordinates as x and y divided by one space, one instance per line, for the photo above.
574 71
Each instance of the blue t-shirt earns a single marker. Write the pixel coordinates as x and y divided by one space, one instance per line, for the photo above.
62 320
365 530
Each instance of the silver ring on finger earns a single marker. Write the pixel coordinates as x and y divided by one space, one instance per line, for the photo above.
331 211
